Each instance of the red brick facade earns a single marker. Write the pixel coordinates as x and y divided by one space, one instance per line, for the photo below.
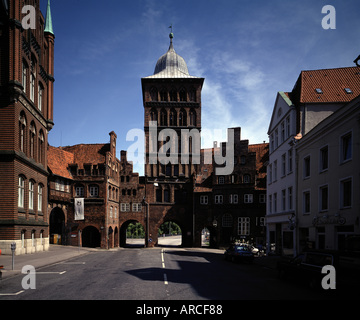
26 117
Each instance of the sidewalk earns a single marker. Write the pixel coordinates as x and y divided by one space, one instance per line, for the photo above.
55 254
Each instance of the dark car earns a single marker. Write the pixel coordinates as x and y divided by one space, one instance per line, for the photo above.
239 253
307 268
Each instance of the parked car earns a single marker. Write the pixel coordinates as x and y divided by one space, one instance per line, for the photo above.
307 268
239 253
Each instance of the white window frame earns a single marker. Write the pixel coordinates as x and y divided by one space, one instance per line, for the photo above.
248 198
204 200
244 226
218 199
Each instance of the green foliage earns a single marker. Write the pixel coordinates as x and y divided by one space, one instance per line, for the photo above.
169 228
135 230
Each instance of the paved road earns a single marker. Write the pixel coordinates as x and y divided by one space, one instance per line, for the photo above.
154 274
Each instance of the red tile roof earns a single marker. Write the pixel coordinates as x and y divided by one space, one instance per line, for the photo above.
332 83
58 161
88 153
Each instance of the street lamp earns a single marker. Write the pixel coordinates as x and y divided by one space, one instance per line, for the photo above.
146 204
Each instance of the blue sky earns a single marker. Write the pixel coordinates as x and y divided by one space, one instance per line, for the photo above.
247 51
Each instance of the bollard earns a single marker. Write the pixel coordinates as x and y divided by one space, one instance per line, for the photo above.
13 248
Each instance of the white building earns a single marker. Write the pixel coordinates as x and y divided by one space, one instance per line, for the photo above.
328 186
281 174
317 94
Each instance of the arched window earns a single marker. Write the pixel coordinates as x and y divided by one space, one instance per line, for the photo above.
21 192
22 131
182 95
153 114
40 96
163 95
173 95
192 117
154 94
40 197
173 117
163 117
246 178
31 194
41 147
24 75
192 95
32 134
182 118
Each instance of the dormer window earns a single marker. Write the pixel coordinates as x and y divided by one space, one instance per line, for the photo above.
348 90
319 91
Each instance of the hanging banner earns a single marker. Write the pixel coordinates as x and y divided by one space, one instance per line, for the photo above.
79 208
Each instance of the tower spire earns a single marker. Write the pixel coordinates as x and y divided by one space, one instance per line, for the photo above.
48 23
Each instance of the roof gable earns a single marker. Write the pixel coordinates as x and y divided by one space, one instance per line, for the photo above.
281 107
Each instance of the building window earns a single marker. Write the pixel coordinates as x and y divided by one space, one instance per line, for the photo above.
21 192
41 147
124 207
32 87
282 132
111 211
275 170
31 195
275 202
288 127
221 180
290 198
248 198
203 199
24 76
283 164
94 191
243 226
22 126
246 178
166 195
324 156
346 147
218 199
270 203
32 140
192 117
227 220
270 173
40 96
158 195
323 198
283 200
136 207
40 198
182 118
233 198
306 167
306 202
262 198
79 191
345 193
290 161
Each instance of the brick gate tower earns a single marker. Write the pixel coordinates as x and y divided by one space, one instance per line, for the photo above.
172 100
26 117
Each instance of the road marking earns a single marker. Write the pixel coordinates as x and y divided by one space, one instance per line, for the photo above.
40 272
162 258
12 294
165 279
